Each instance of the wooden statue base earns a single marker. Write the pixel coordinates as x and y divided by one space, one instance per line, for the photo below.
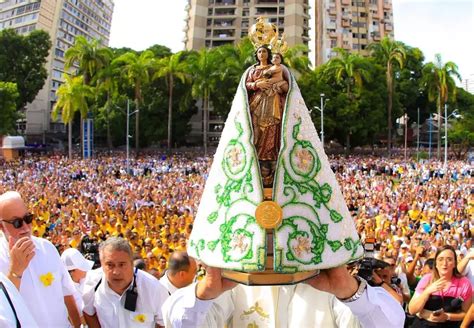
268 277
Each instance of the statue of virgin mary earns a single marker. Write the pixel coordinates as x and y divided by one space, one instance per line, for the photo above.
271 203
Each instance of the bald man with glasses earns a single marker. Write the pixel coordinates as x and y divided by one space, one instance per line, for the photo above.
34 266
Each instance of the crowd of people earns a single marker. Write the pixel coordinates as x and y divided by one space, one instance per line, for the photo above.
410 211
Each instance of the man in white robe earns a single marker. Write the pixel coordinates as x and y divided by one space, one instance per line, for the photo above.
12 308
332 299
34 266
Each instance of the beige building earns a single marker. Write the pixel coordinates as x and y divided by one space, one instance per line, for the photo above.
211 23
63 20
468 84
351 25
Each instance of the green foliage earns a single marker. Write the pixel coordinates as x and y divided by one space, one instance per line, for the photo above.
22 60
8 115
461 133
390 54
167 86
72 97
89 56
438 82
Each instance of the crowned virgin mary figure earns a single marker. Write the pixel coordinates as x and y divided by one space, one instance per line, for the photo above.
272 211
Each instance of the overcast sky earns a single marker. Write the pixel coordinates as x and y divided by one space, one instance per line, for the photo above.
434 26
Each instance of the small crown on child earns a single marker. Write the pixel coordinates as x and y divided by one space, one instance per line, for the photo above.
264 33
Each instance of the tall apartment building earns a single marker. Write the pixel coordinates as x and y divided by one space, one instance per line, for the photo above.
351 25
63 20
211 23
468 84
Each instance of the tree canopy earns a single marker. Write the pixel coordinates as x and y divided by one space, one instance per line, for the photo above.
22 61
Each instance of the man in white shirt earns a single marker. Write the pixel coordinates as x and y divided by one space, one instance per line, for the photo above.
181 272
13 310
214 302
77 266
34 266
119 296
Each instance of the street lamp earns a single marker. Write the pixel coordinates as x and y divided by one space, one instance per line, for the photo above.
323 102
128 136
446 117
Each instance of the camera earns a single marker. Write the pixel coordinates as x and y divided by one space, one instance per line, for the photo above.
395 281
367 266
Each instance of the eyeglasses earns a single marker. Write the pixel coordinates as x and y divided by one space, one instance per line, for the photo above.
17 223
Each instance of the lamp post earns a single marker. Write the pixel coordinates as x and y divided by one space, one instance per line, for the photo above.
446 116
445 138
128 136
430 131
418 135
321 110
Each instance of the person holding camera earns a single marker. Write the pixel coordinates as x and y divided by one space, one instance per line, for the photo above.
383 277
442 298
117 295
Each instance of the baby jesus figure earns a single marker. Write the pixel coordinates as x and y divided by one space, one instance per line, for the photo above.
274 75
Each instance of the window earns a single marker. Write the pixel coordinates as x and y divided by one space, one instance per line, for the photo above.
57 74
59 53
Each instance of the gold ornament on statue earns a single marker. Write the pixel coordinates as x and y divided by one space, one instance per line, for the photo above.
263 33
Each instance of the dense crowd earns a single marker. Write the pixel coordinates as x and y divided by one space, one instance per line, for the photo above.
408 210
77 203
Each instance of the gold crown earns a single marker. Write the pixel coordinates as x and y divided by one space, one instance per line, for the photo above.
266 34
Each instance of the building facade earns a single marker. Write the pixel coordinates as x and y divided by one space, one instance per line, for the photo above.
350 25
468 84
211 23
63 20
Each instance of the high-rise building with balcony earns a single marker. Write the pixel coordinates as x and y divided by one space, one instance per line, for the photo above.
63 20
468 84
351 25
211 23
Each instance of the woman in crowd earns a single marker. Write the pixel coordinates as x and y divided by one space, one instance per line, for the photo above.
443 297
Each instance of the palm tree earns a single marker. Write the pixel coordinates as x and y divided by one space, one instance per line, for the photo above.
389 52
203 65
171 67
297 60
348 70
438 80
72 97
107 82
137 69
236 59
90 57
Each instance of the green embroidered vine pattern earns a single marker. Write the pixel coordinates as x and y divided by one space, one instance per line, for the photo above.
302 246
238 170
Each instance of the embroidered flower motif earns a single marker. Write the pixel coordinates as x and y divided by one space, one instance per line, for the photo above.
46 279
235 157
305 159
303 245
140 318
239 241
